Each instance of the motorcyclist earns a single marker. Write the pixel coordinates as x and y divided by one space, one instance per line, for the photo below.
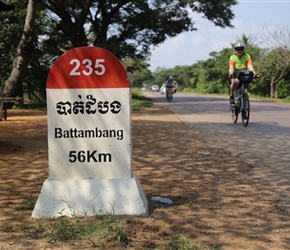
169 84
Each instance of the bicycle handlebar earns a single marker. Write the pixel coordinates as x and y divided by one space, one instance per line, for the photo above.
235 76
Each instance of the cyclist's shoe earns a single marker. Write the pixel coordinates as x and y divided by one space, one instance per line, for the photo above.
232 99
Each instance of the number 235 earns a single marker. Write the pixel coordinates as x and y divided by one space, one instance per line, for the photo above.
98 68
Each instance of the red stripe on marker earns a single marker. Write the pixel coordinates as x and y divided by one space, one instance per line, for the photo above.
85 68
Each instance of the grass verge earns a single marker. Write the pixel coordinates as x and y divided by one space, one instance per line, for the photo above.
139 101
102 231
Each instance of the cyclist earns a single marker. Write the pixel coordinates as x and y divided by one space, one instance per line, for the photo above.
237 62
169 84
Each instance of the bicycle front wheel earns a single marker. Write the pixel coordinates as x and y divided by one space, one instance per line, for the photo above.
245 110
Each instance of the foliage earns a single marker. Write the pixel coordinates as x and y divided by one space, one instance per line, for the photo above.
120 28
275 67
11 26
116 25
138 72
26 47
284 88
211 75
119 25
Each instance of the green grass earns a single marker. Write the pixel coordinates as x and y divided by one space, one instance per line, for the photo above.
107 232
27 204
102 231
139 101
181 242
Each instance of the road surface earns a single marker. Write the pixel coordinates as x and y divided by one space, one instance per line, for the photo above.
265 143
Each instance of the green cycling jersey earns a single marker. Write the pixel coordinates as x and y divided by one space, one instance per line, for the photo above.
240 63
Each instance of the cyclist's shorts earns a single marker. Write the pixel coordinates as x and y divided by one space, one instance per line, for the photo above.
169 86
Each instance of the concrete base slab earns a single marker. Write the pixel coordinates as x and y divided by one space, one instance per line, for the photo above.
88 197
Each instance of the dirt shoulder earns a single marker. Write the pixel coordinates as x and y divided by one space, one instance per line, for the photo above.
215 201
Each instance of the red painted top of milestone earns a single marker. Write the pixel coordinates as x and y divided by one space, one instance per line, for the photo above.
87 67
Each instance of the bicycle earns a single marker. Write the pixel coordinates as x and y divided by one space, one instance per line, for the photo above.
169 94
242 101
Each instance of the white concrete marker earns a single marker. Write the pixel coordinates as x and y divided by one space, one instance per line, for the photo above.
89 139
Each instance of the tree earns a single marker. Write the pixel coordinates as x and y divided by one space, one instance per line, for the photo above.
247 40
130 28
276 63
24 50
274 67
138 72
126 28
7 40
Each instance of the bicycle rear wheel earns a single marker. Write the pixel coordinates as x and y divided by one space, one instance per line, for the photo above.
169 96
246 110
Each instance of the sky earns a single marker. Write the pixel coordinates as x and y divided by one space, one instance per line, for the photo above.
252 17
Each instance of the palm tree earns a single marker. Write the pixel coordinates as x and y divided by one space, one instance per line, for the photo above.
248 41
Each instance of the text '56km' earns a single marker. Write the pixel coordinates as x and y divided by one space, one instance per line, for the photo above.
88 156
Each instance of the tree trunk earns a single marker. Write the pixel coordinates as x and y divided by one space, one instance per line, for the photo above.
25 47
272 88
276 90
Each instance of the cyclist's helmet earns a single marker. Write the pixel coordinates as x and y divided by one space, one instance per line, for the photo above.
170 77
239 46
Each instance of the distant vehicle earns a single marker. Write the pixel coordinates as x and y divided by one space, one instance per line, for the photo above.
162 89
175 86
155 88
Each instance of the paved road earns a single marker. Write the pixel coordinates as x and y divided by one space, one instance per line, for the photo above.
265 143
